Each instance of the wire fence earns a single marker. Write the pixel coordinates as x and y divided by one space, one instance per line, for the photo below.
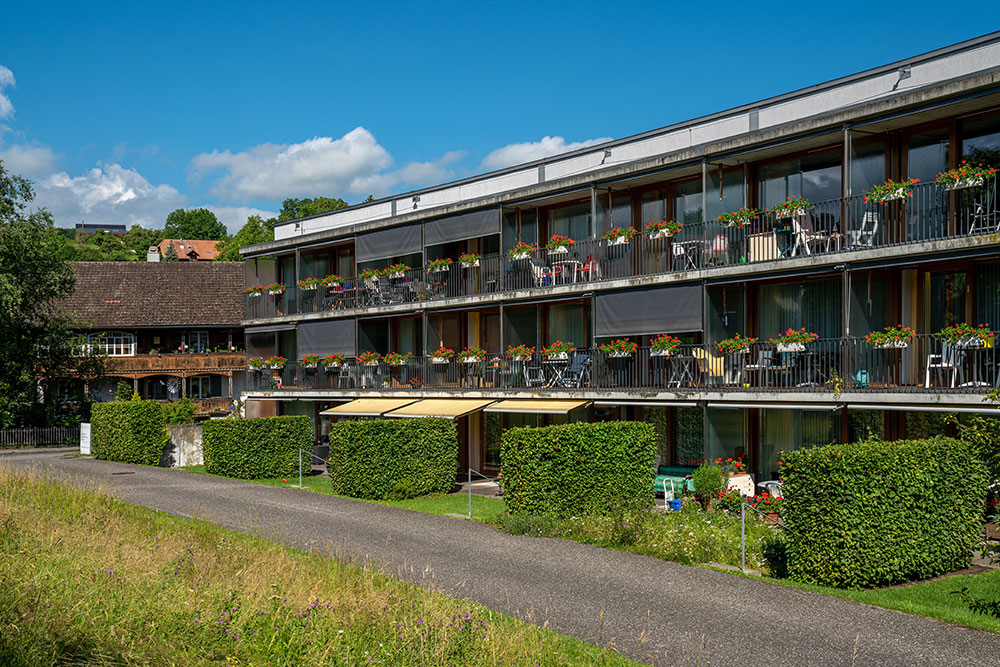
49 436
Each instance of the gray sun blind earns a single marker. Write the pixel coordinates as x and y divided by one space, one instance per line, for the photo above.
648 311
391 242
472 225
328 337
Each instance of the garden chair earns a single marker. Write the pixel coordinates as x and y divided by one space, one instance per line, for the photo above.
542 273
772 486
807 238
948 362
867 233
765 361
984 214
577 374
591 270
711 365
534 374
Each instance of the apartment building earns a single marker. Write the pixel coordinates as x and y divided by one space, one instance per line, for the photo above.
850 208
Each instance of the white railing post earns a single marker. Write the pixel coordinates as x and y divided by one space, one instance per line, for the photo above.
743 536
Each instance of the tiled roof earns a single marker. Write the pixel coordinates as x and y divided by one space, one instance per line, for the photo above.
204 249
157 294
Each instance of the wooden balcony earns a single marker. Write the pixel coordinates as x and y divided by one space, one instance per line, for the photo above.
177 364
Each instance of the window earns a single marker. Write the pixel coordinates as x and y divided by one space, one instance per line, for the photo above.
200 386
571 221
198 341
112 343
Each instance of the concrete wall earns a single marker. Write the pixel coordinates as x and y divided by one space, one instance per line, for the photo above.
184 448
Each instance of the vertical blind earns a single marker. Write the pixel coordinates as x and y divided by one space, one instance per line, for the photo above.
328 337
648 311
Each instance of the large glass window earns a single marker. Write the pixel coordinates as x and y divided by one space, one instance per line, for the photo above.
784 430
409 336
654 206
813 177
494 426
521 326
373 336
519 225
987 305
569 323
687 202
112 343
199 386
814 305
490 326
868 303
724 194
197 341
726 433
944 300
725 313
981 141
867 166
863 424
615 211
572 221
444 331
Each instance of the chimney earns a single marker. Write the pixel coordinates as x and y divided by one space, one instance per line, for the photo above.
153 254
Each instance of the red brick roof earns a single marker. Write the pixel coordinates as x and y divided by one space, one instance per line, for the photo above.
157 294
203 249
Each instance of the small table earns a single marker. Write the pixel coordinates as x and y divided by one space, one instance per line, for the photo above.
687 253
567 267
681 370
555 369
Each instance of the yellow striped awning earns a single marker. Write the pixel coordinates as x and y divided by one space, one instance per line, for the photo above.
537 406
367 407
451 408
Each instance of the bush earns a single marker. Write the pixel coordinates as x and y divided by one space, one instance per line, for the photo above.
256 448
578 468
128 431
179 412
877 513
709 482
376 459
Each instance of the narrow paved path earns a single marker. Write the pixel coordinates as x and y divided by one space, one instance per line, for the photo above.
653 611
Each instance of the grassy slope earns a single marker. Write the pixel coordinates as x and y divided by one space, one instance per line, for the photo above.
86 579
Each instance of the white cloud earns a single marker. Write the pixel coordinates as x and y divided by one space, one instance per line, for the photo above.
6 79
27 160
355 164
528 151
109 193
234 217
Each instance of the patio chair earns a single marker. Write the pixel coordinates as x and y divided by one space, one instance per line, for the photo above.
541 272
348 376
577 374
591 270
711 365
765 361
534 374
807 238
948 362
867 233
772 486
985 219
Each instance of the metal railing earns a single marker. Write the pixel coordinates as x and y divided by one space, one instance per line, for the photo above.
832 365
47 436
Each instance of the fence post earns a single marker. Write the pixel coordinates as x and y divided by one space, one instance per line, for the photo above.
743 537
470 493
300 468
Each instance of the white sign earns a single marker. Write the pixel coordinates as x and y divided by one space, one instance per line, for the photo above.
84 438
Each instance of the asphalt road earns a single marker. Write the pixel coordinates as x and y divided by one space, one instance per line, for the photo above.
650 610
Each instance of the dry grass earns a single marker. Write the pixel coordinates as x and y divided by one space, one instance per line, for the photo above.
86 579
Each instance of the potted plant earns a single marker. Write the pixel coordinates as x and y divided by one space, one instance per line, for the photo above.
890 337
619 348
276 363
442 355
739 218
333 361
558 350
438 265
415 383
370 274
559 244
469 260
256 363
397 358
965 176
965 335
308 284
663 229
309 361
793 341
792 207
368 358
735 345
619 235
767 505
890 191
521 251
472 355
332 280
275 289
397 270
520 352
254 290
663 345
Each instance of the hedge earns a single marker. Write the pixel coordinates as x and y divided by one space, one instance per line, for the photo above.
128 431
256 448
877 513
372 459
573 469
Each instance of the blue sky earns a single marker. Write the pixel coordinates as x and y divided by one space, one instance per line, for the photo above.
122 112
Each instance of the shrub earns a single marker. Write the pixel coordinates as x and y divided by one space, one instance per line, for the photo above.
709 481
256 448
124 391
374 459
578 468
179 412
876 513
128 431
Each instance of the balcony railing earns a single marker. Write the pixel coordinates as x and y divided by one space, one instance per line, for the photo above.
836 225
147 363
833 365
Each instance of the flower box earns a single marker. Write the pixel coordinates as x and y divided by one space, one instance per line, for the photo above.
621 240
558 250
791 214
275 367
470 360
895 194
371 363
967 183
440 360
619 355
396 275
309 288
334 366
261 293
791 347
661 234
522 358
275 292
470 265
659 353
519 256
440 269
893 345
333 285
970 342
558 356
309 365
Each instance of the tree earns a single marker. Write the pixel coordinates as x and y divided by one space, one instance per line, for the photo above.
196 223
171 254
256 230
40 346
138 240
300 208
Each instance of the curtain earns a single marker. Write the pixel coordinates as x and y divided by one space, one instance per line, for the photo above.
814 305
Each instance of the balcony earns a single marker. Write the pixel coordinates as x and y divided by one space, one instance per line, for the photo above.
843 225
187 364
828 366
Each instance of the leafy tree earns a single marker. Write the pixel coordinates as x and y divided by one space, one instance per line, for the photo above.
138 240
256 230
124 391
300 208
40 349
171 254
196 223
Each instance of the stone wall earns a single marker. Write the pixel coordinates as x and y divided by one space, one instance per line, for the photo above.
184 448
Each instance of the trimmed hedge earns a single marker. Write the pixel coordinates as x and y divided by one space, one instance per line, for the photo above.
372 459
581 468
128 431
256 448
876 513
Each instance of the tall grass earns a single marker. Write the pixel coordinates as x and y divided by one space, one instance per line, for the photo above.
89 580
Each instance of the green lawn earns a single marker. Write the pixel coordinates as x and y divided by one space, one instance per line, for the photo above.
483 508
